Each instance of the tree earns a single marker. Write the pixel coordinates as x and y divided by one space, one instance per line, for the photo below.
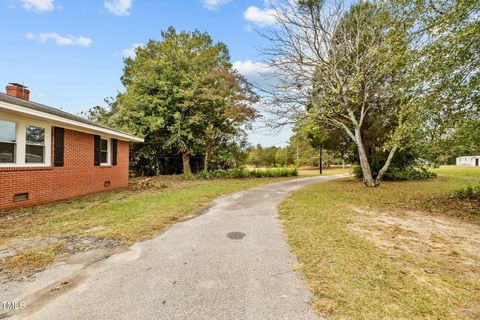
183 97
344 69
229 108
318 145
464 140
317 136
230 152
255 156
398 77
270 156
447 38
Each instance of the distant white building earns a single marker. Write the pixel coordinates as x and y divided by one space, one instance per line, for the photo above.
471 161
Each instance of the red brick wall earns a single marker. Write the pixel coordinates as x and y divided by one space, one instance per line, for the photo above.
77 177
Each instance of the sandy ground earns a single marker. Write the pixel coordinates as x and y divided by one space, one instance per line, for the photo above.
66 246
428 237
439 251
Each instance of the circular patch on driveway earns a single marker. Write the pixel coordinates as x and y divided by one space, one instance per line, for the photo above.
236 235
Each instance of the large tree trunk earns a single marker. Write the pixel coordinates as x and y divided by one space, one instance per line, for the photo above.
206 160
187 169
385 166
362 155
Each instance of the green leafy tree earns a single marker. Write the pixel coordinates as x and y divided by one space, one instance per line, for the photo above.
183 97
229 99
318 137
270 156
317 146
255 156
447 71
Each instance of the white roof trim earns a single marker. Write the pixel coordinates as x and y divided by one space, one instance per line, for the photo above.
68 123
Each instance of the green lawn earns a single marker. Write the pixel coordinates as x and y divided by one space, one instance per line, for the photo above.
138 213
405 250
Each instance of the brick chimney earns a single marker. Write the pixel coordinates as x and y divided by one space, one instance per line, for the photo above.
18 91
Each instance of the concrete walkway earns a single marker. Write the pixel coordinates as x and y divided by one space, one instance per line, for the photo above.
230 263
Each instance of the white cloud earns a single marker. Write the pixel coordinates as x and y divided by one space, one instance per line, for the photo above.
260 74
260 17
250 68
118 7
214 4
38 5
130 52
59 40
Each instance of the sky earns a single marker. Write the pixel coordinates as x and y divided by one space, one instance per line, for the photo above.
70 53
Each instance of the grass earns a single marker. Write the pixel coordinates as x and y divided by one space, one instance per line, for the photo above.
32 259
385 253
138 213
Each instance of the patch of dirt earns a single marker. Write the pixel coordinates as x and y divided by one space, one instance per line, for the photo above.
147 184
18 245
66 247
441 252
74 244
445 240
16 215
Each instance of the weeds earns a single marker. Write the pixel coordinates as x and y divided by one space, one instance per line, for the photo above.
469 193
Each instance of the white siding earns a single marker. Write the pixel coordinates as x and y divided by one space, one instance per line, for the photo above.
470 161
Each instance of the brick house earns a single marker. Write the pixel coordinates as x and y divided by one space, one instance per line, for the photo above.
47 154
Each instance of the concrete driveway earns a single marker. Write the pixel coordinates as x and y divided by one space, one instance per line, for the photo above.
230 263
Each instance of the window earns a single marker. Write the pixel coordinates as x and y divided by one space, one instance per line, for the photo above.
103 151
35 145
7 141
24 142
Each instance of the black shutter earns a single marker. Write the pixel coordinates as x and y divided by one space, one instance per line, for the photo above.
114 152
59 147
96 150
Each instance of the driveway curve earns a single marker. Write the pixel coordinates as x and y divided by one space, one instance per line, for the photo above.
230 263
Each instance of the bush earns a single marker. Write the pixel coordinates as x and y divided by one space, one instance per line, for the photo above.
469 193
357 172
408 174
401 174
239 173
274 172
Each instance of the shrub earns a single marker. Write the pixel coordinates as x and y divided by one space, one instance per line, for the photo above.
239 173
357 172
408 173
469 193
275 172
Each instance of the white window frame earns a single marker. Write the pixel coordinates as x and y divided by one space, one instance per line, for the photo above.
109 153
44 156
20 142
11 143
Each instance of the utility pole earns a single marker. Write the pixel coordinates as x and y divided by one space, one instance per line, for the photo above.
320 159
298 156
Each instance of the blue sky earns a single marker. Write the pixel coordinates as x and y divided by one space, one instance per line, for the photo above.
70 53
